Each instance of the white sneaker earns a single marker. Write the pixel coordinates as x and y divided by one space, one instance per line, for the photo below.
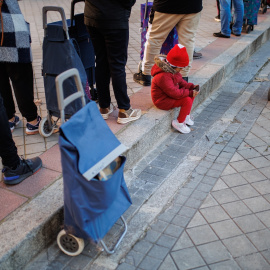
105 112
189 120
181 127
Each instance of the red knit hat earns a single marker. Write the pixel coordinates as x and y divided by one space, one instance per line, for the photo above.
178 56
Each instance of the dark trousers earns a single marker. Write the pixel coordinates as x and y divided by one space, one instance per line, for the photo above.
21 76
8 150
110 47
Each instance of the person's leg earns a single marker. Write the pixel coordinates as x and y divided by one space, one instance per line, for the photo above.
21 76
162 25
102 71
6 92
186 28
225 16
238 16
116 47
8 150
218 8
186 105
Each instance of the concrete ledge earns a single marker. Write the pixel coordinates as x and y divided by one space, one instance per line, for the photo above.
27 231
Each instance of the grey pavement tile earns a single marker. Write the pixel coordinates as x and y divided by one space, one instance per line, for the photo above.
125 266
142 246
218 167
180 199
234 180
245 191
168 264
219 185
266 255
242 166
204 187
213 173
224 196
228 170
185 191
183 242
260 239
263 150
209 180
239 246
253 262
152 236
159 226
173 230
199 195
236 157
187 211
257 204
187 258
263 186
249 223
225 229
249 153
209 201
193 203
214 214
158 252
166 241
265 171
226 265
79 262
264 217
197 220
201 234
180 220
236 209
259 162
253 176
134 258
255 142
214 252
150 263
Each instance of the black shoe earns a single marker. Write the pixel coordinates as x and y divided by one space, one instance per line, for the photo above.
26 168
197 55
142 79
238 35
219 34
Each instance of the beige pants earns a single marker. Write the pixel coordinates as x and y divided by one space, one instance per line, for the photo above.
186 26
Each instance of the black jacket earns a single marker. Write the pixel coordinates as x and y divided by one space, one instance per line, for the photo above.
108 14
177 6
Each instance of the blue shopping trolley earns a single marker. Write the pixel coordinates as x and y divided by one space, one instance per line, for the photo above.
88 146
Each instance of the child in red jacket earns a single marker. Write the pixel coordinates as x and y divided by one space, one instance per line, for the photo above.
169 90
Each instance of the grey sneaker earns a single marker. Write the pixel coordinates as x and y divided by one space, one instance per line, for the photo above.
105 112
129 115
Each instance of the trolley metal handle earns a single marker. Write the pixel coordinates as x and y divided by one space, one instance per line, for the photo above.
72 12
63 16
63 102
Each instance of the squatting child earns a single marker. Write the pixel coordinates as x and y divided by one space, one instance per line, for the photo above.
169 90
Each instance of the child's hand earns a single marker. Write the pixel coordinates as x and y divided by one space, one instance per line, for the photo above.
195 93
196 88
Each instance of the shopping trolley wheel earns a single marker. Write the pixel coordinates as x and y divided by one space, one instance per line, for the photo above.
269 94
44 128
248 29
70 244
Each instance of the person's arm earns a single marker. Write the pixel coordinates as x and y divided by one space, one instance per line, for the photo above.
166 83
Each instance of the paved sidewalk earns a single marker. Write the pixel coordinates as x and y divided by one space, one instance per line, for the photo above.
227 228
30 194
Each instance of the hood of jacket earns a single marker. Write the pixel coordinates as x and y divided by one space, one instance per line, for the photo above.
161 66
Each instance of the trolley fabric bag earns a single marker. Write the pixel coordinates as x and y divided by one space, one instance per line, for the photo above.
170 41
91 207
59 55
251 10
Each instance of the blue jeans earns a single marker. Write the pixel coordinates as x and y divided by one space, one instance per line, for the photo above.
225 16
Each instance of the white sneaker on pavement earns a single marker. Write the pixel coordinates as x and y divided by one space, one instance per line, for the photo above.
189 120
181 127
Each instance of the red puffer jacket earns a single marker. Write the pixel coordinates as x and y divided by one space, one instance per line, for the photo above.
167 85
